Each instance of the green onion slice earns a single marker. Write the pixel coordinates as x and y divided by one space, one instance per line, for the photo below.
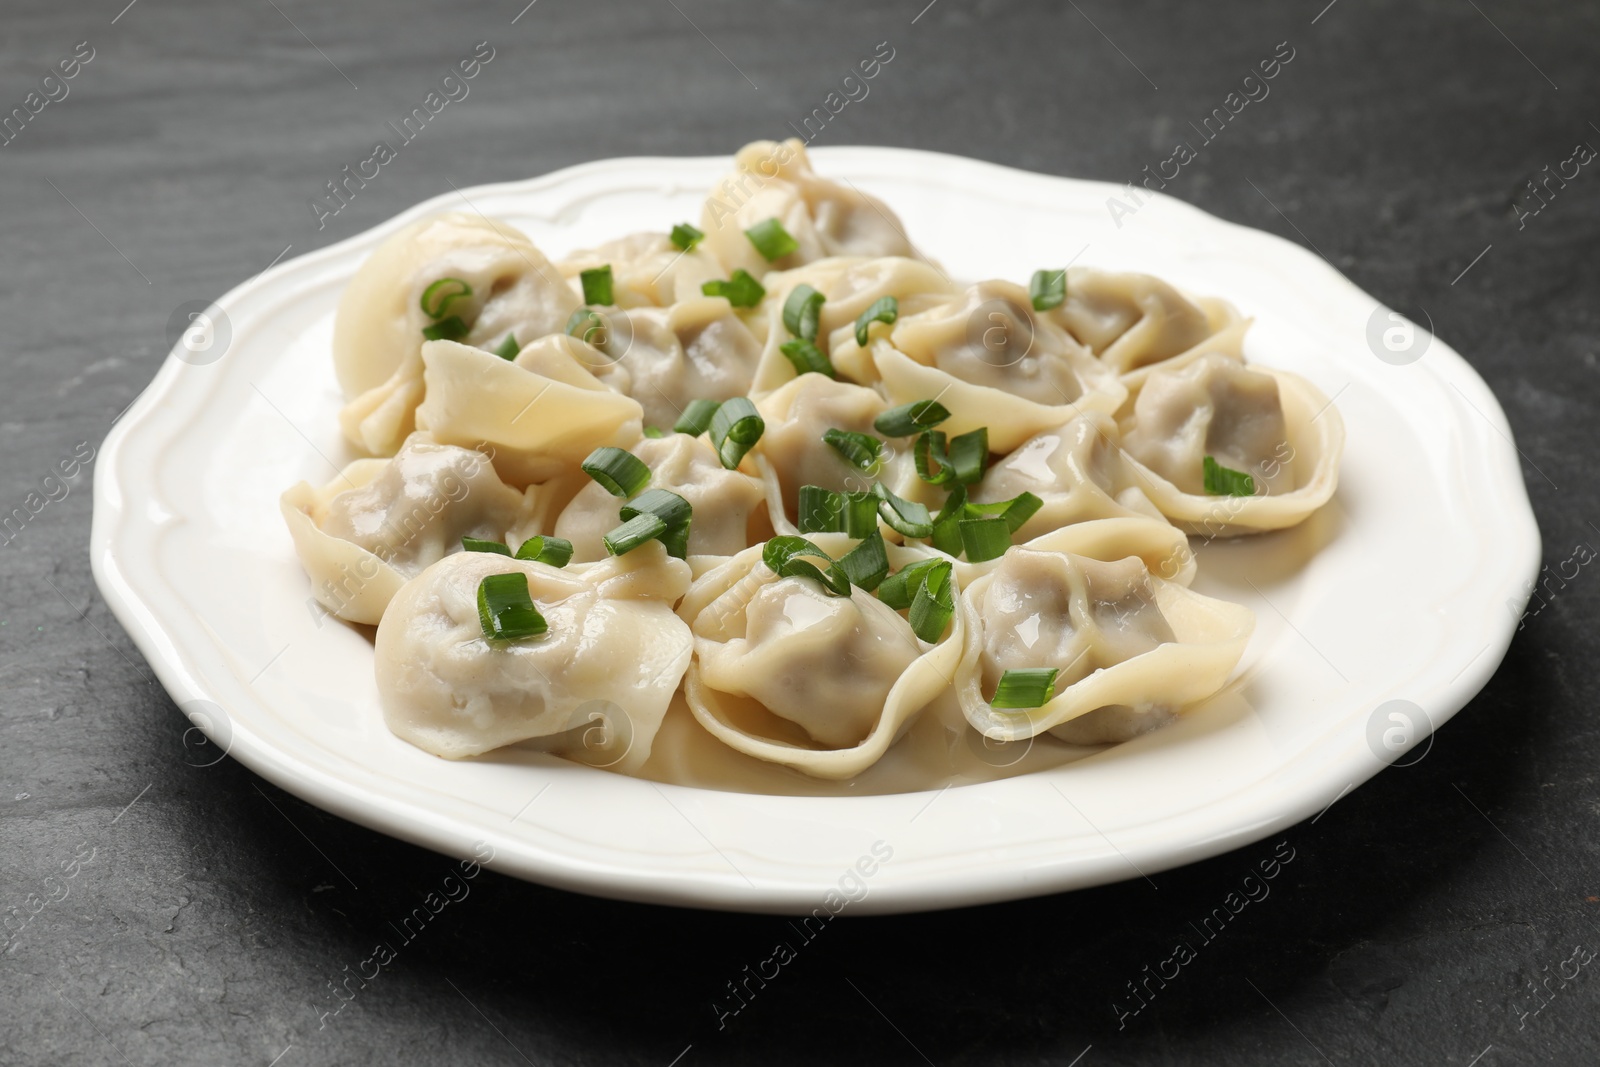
1016 511
507 349
931 454
1048 288
1224 481
735 429
801 310
654 432
907 419
551 551
860 514
622 473
969 455
438 297
696 418
985 538
771 239
933 602
741 289
685 237
674 512
904 516
820 510
596 285
861 450
473 544
1031 687
900 589
867 564
806 357
782 555
584 324
451 329
505 610
636 531
885 310
946 536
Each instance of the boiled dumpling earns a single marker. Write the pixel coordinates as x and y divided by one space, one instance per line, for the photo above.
1076 470
787 673
361 536
378 330
1131 320
666 357
1131 650
647 269
727 504
541 414
1271 425
612 655
774 180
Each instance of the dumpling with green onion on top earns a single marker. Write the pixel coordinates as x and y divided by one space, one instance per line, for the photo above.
1132 320
647 269
585 659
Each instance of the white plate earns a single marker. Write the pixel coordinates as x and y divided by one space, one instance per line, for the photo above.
1424 559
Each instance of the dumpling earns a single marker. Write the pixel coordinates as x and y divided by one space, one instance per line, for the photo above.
1131 650
612 656
542 413
666 357
786 673
647 269
378 330
792 452
993 363
1162 547
772 180
849 285
380 522
1271 425
1131 320
728 505
1077 471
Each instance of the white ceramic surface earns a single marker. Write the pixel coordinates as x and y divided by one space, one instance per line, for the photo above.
1422 559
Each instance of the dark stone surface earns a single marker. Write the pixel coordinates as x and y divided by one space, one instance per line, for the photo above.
212 914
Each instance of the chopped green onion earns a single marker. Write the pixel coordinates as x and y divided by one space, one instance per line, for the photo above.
911 418
584 324
931 454
1031 687
673 510
900 589
1016 511
771 239
781 555
860 514
654 432
801 310
622 473
596 285
820 510
885 310
867 564
946 536
985 538
633 533
860 450
685 237
438 297
696 418
507 349
969 455
933 603
735 429
806 357
903 516
451 329
505 610
473 544
1048 289
551 551
741 289
1224 481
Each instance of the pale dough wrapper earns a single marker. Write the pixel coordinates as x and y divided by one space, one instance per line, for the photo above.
787 674
647 269
599 679
1124 640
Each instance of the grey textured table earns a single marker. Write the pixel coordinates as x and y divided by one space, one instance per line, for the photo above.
162 913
